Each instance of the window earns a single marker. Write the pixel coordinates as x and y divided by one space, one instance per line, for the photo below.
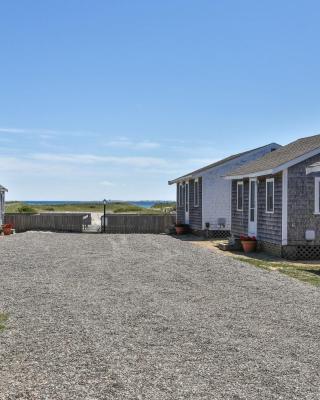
240 196
270 195
181 194
317 195
196 193
186 186
252 201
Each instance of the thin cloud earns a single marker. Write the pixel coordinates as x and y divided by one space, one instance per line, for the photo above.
126 143
143 162
28 131
107 183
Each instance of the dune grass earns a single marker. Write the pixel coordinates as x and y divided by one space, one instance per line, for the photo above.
114 207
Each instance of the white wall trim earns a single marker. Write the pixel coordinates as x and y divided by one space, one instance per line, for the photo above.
285 207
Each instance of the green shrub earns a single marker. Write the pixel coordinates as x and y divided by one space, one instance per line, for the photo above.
127 208
25 208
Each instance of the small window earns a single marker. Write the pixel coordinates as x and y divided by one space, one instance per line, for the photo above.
186 186
240 196
196 193
317 195
270 195
181 195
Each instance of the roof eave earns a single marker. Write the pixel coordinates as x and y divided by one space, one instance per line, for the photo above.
181 179
252 175
279 168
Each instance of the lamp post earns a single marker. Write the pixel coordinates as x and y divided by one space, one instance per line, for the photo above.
104 215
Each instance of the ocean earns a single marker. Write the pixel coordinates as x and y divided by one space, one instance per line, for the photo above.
141 203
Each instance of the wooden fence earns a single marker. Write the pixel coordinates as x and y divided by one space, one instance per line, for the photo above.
56 222
137 223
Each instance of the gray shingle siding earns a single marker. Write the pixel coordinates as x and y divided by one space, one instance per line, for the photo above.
195 214
301 207
269 227
239 219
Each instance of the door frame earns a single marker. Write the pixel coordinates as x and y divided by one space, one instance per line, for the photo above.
186 202
252 225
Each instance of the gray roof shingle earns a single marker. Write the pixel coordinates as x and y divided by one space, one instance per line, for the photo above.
220 162
279 157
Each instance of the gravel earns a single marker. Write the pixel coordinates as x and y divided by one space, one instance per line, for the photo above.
150 317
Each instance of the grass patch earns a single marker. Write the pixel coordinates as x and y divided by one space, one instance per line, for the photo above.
308 273
3 319
254 261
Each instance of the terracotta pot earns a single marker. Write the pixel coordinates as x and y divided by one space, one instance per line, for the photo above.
180 230
7 231
249 245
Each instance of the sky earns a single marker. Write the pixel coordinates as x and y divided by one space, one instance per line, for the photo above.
111 99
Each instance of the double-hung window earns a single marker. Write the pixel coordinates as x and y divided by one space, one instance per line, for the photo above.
270 195
196 193
317 195
181 195
240 196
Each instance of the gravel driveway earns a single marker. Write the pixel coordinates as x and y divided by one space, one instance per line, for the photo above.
150 317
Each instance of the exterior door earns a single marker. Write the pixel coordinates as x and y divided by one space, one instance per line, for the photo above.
186 203
252 227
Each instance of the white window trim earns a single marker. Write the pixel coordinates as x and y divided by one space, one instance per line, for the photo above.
268 181
316 195
238 184
194 194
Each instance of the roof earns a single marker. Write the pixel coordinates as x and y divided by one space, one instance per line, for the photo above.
3 189
279 159
218 163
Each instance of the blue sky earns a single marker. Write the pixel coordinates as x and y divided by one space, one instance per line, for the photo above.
113 98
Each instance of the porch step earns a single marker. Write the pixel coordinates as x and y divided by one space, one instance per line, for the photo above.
224 246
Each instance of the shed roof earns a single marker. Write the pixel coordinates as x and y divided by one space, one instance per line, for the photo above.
219 163
280 159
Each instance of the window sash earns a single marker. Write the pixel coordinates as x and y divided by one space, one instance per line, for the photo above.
186 186
196 193
270 195
252 200
317 195
240 196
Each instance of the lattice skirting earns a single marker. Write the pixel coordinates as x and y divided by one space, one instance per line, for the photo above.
301 252
291 252
214 234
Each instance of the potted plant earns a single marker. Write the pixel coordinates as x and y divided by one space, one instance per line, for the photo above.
181 228
7 229
249 243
